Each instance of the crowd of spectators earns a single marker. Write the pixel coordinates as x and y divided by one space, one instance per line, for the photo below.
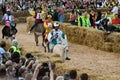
15 66
66 4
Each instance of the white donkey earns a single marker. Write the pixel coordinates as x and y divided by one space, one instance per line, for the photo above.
62 49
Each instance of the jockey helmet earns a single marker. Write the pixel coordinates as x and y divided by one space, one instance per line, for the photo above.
49 16
56 24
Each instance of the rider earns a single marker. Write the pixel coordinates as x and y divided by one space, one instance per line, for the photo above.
38 19
48 24
54 37
8 18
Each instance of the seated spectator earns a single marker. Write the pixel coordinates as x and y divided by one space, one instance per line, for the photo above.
116 20
73 75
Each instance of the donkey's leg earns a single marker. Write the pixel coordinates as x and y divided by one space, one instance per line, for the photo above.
36 39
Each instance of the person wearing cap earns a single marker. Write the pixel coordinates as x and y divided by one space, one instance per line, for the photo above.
55 37
38 19
48 24
15 47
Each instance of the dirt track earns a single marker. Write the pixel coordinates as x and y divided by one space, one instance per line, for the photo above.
87 59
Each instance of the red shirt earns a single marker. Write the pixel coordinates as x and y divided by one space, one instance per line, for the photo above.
116 21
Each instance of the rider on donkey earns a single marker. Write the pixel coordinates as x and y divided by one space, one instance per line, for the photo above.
38 19
8 18
48 25
54 37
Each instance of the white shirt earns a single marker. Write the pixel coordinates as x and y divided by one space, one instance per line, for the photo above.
39 16
115 10
2 51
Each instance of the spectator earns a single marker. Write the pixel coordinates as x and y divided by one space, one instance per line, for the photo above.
2 50
61 14
22 74
84 76
115 9
92 18
81 20
73 75
14 48
116 20
73 18
3 8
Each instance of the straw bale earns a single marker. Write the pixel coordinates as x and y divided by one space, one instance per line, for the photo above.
8 44
56 60
55 55
62 68
22 19
94 38
21 14
116 47
16 20
107 46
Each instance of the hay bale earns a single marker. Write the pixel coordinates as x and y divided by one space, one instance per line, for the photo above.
107 46
8 44
16 20
30 21
113 37
21 14
62 68
116 47
94 38
22 19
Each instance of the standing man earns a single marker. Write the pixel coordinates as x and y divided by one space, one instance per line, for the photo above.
61 14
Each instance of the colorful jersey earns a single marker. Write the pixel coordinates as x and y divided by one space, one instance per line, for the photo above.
48 26
38 17
56 39
8 19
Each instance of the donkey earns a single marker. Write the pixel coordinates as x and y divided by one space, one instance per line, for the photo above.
9 32
62 49
39 31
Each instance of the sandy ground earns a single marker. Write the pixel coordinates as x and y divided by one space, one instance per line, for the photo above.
87 59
